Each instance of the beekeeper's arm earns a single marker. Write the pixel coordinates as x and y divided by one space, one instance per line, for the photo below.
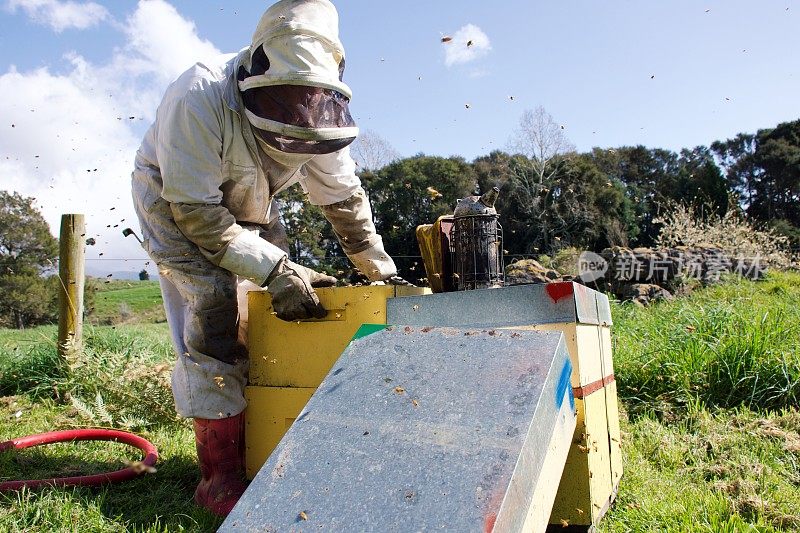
332 184
189 149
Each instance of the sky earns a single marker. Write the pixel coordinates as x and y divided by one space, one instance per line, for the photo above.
80 82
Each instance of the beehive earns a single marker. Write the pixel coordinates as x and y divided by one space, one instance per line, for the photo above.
299 355
594 464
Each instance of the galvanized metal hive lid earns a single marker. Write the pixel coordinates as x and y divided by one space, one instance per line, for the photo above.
514 305
416 429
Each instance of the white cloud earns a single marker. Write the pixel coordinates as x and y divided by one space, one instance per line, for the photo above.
57 128
166 43
468 44
62 15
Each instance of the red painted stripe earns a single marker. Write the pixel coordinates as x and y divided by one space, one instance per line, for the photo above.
594 386
558 290
488 523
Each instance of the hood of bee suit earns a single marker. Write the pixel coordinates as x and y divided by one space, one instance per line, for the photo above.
291 83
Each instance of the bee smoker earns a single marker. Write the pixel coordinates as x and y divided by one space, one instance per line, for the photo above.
476 243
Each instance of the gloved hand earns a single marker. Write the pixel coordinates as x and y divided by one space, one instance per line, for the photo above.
292 289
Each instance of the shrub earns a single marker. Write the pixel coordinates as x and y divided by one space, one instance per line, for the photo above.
781 226
122 376
732 233
565 261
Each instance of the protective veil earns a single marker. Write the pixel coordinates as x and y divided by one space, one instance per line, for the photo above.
292 85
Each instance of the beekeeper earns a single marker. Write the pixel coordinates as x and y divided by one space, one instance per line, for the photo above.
227 138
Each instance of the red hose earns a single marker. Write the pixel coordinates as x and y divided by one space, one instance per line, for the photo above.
72 435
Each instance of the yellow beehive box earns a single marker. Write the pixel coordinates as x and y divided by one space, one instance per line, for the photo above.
586 487
583 344
301 353
270 412
594 464
288 360
612 408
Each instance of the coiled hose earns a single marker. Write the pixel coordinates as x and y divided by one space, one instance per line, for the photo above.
73 435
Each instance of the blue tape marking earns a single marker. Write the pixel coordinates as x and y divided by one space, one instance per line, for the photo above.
563 388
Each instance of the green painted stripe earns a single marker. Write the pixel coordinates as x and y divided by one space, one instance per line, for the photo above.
368 329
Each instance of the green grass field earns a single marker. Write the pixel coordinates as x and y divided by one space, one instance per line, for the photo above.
708 390
118 301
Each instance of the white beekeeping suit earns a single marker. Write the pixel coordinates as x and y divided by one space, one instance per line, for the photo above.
226 139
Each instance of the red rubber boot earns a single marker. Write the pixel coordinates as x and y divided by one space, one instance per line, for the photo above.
220 452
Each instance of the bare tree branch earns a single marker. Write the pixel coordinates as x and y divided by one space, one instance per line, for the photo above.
372 152
541 139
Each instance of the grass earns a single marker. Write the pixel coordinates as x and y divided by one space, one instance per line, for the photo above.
127 367
29 361
118 301
153 502
708 388
728 470
736 344
710 385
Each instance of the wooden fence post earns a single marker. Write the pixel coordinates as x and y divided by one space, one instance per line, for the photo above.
71 268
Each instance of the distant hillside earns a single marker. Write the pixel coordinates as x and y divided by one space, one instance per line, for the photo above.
124 301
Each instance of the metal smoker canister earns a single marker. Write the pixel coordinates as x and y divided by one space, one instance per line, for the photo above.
477 243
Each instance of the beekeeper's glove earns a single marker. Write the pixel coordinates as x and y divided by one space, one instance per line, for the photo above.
352 222
292 289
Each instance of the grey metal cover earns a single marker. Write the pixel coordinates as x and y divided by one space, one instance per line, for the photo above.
603 309
421 429
515 305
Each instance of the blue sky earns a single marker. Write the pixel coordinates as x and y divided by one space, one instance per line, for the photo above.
667 74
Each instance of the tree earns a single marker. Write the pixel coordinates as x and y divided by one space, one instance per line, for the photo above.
645 174
521 202
28 300
735 156
699 182
765 170
532 181
777 193
415 191
27 252
578 206
311 238
372 152
593 210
